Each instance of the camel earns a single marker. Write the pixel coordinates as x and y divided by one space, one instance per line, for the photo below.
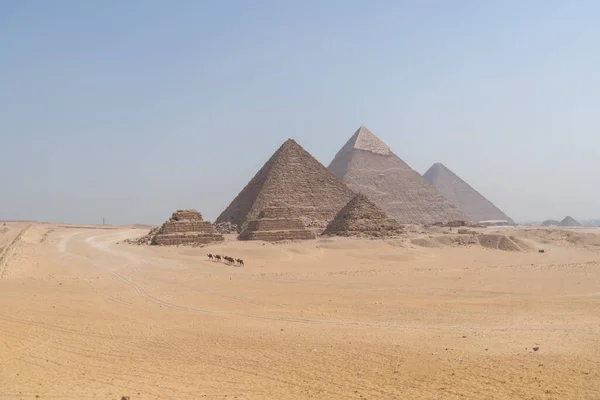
240 262
210 256
217 257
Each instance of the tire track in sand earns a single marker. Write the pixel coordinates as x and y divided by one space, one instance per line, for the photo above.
10 250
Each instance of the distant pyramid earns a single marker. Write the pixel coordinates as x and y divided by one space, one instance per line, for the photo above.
360 217
460 193
569 221
551 222
367 165
295 181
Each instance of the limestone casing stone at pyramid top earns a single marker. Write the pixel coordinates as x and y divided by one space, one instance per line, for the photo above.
366 140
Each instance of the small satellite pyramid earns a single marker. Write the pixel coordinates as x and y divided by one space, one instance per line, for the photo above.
459 192
274 224
186 227
294 181
368 166
360 217
569 221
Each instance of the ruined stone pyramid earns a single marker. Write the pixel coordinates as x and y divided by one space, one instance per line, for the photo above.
360 217
294 180
367 165
186 227
275 224
459 192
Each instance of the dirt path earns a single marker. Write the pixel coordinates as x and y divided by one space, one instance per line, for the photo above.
9 251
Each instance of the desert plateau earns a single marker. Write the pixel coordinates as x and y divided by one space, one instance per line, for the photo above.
431 314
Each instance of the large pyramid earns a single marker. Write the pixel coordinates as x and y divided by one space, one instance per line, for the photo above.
360 217
459 192
367 165
295 181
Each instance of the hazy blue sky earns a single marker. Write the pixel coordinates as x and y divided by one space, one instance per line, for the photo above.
132 109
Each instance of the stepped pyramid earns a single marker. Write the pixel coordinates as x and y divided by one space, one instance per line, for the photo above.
186 227
367 165
360 217
459 192
569 221
294 180
275 224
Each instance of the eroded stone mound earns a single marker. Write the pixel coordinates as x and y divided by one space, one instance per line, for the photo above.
498 242
276 224
186 227
489 241
361 217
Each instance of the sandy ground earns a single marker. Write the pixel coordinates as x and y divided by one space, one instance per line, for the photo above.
85 317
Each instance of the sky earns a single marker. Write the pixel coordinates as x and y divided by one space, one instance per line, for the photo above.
132 109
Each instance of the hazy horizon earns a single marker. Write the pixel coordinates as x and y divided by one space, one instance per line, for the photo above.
132 110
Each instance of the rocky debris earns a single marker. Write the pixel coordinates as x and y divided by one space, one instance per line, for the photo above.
295 180
451 224
457 240
360 217
186 227
569 221
368 166
461 194
276 224
144 240
226 228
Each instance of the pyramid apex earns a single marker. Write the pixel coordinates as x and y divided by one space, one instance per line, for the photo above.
434 170
290 141
364 139
290 144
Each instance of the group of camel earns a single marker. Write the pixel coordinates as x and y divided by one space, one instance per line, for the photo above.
227 259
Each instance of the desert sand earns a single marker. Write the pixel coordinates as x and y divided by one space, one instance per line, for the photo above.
85 316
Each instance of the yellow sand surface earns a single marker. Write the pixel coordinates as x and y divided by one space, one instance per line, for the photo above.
85 316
